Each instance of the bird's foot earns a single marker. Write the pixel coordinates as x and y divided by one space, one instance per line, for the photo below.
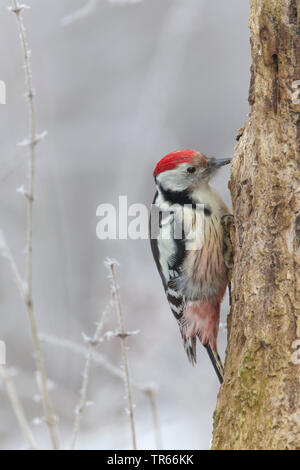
228 222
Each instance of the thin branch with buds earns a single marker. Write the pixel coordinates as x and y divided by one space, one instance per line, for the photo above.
88 8
28 291
98 358
111 265
93 343
17 408
101 360
6 253
76 15
150 392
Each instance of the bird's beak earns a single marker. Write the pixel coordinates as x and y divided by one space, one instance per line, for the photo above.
218 162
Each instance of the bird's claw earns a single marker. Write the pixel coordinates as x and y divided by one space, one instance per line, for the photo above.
227 221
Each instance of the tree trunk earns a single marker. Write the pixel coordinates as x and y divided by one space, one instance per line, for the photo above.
259 403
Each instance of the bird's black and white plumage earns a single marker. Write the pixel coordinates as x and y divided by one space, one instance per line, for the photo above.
187 243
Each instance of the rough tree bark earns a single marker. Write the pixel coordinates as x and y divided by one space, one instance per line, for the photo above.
259 403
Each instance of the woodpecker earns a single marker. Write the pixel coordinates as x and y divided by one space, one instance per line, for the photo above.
192 262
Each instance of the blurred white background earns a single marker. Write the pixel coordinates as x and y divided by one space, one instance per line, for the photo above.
116 90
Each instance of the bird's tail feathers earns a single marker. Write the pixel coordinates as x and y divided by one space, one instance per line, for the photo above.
216 362
190 349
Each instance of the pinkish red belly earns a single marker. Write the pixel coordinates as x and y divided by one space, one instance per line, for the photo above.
206 281
202 317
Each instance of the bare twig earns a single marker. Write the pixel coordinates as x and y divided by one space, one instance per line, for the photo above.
111 264
93 342
88 8
150 392
99 359
17 408
76 15
33 140
5 251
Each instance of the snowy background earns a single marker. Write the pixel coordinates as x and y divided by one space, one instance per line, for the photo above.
116 90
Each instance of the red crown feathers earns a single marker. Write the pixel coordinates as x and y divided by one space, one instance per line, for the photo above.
172 160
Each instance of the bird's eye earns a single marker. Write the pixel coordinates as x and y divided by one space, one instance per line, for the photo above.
191 169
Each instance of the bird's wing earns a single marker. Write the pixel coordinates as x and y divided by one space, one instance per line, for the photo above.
168 259
168 256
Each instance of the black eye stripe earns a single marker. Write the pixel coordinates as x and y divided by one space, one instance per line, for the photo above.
191 169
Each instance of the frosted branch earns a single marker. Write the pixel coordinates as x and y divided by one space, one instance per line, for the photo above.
149 389
82 12
89 8
17 407
93 342
111 264
33 139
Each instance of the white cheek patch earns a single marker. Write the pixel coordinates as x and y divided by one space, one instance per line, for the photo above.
176 179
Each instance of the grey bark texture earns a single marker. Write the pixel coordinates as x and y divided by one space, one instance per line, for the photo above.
259 402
